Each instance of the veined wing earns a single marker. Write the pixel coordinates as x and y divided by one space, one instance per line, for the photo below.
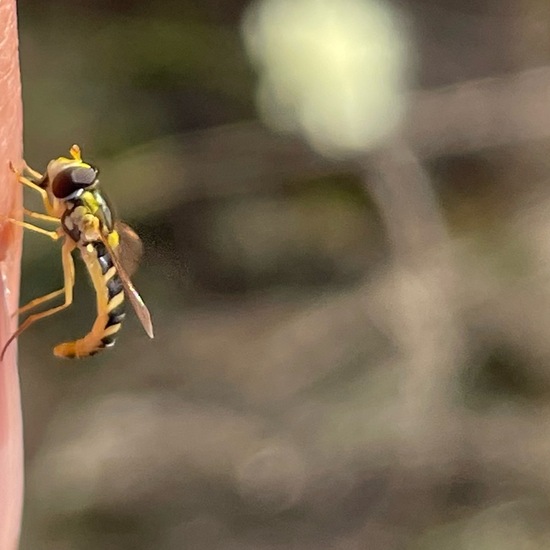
135 299
130 248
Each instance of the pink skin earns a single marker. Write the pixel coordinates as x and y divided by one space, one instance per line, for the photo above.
11 435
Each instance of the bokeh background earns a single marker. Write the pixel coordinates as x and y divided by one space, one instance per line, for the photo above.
345 207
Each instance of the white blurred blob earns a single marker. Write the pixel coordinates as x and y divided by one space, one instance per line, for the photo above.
334 69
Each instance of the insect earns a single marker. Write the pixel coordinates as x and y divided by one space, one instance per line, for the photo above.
73 200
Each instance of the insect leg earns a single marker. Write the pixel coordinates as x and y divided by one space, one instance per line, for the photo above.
36 175
38 301
68 275
33 186
54 235
26 181
29 183
39 216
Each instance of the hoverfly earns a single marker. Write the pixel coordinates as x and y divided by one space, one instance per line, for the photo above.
73 199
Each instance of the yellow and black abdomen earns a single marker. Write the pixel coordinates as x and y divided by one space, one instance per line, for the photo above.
111 309
116 305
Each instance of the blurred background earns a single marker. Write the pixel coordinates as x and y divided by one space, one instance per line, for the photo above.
345 207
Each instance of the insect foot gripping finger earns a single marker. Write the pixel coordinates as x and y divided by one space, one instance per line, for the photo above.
7 345
37 176
37 316
68 275
11 339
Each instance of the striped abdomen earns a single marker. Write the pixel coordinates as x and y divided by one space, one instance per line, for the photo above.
110 304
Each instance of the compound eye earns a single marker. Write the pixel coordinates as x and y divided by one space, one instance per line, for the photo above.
69 182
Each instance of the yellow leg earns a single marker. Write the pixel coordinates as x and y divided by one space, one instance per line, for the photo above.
29 183
38 301
33 173
54 235
39 216
43 193
26 181
68 276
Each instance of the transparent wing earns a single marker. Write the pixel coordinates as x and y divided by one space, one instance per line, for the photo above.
130 248
135 299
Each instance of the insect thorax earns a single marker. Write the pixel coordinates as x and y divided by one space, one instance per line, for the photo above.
79 212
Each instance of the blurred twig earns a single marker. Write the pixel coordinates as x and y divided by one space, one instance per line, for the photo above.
481 114
421 306
239 158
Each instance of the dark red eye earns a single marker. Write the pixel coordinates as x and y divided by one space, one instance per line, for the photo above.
73 179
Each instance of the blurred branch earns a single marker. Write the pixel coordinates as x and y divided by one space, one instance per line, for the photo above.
240 158
481 114
421 307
